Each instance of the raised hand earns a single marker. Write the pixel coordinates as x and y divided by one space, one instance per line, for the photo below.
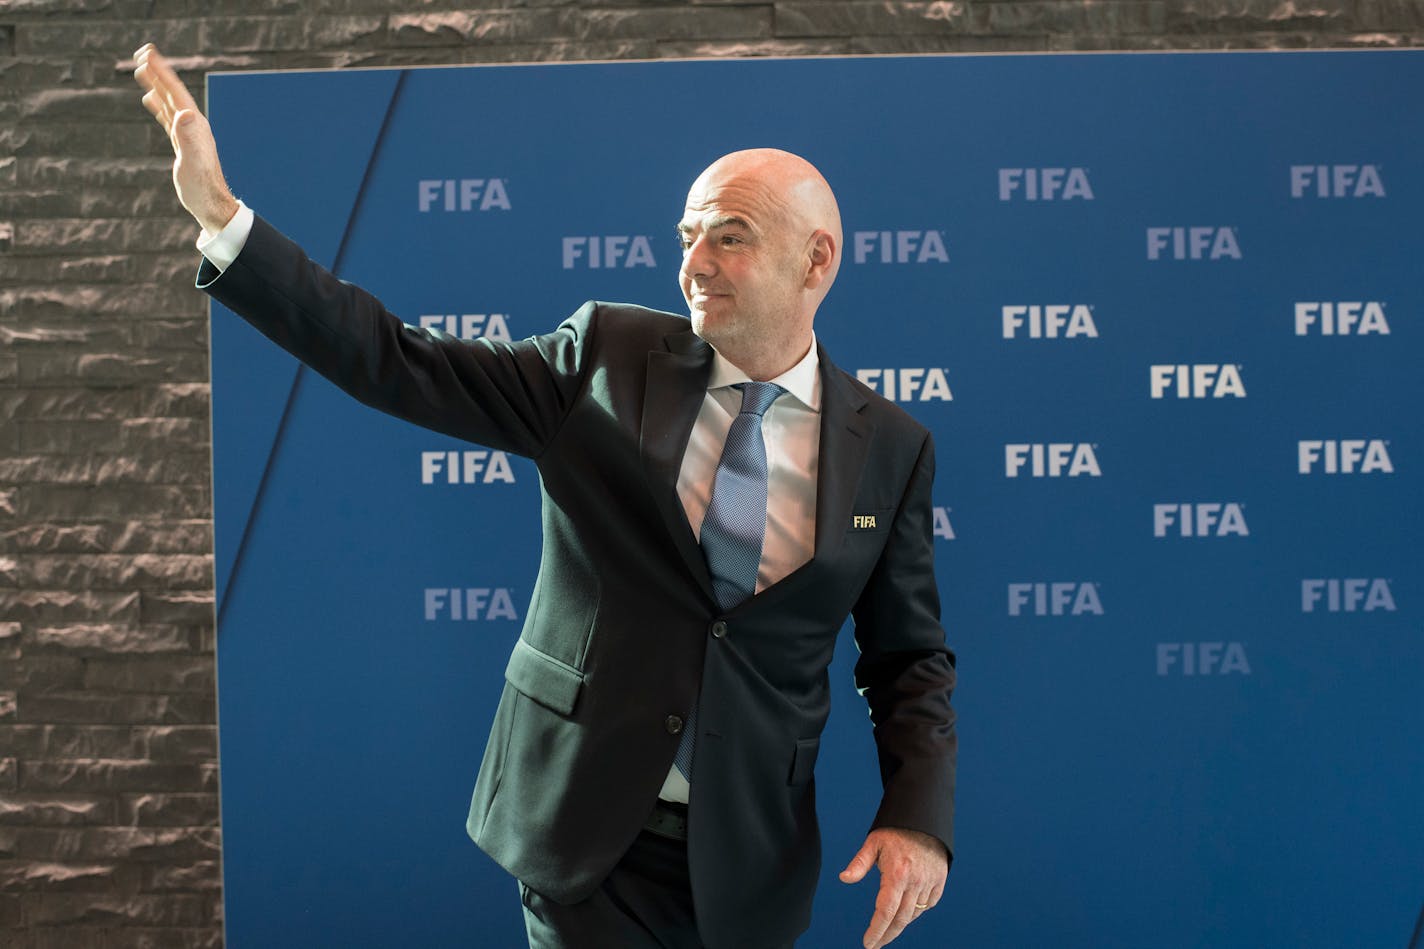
913 867
197 174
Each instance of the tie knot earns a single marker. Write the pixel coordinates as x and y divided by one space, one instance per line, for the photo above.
758 396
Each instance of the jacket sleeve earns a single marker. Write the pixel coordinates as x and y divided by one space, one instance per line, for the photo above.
511 396
906 672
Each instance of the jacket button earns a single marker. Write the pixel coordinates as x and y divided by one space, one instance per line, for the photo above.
719 629
673 724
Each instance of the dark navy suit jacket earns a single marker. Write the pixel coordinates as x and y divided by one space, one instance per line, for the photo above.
623 633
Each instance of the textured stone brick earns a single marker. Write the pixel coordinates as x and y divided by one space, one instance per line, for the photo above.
697 49
55 877
9 912
46 333
112 368
65 937
95 35
35 674
169 810
70 436
182 608
166 673
167 938
7 706
68 403
113 500
117 774
176 536
172 468
162 269
62 171
199 875
835 18
101 235
118 572
55 810
84 199
171 909
44 301
249 34
77 741
77 105
182 743
97 139
45 607
90 706
168 432
9 632
1067 18
187 333
1241 16
111 638
9 774
456 27
180 399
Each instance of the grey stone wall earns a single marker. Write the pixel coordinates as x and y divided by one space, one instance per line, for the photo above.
109 831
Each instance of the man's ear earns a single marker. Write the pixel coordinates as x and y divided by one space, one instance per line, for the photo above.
823 260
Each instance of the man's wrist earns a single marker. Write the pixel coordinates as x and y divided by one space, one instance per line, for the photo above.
215 220
221 248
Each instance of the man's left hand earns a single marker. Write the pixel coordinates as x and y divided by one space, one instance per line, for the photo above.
913 867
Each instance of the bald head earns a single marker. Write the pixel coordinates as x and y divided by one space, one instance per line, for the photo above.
793 183
761 235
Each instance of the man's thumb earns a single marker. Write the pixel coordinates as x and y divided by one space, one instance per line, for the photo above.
859 865
185 126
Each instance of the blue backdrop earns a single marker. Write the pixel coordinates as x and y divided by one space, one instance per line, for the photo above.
1162 313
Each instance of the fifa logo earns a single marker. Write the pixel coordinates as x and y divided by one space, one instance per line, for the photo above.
469 604
1348 595
608 251
1049 322
469 325
1054 599
1193 243
1044 184
1344 456
908 385
1358 318
1051 460
1199 381
1336 181
1202 519
900 247
1202 659
462 194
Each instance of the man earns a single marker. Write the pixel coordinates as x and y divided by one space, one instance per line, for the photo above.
716 500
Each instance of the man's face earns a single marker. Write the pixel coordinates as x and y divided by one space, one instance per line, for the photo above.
743 263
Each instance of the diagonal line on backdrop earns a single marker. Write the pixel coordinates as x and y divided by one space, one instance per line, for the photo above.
277 439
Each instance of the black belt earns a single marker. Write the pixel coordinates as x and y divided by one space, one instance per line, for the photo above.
668 819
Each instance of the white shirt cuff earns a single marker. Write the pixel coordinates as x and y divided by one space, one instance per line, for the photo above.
222 248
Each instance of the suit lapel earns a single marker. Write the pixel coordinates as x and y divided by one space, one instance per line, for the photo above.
675 389
845 442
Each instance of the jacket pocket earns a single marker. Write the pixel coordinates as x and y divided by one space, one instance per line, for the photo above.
804 763
543 678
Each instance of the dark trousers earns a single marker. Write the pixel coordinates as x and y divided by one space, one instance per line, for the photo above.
645 903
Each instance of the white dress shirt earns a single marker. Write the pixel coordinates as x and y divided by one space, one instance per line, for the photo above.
791 429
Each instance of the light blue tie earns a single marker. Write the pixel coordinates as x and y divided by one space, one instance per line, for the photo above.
735 522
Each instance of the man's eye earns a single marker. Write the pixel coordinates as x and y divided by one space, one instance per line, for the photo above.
728 240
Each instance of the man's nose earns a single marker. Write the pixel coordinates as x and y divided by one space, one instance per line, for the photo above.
697 261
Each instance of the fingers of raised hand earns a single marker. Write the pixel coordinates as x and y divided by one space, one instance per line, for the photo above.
166 95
